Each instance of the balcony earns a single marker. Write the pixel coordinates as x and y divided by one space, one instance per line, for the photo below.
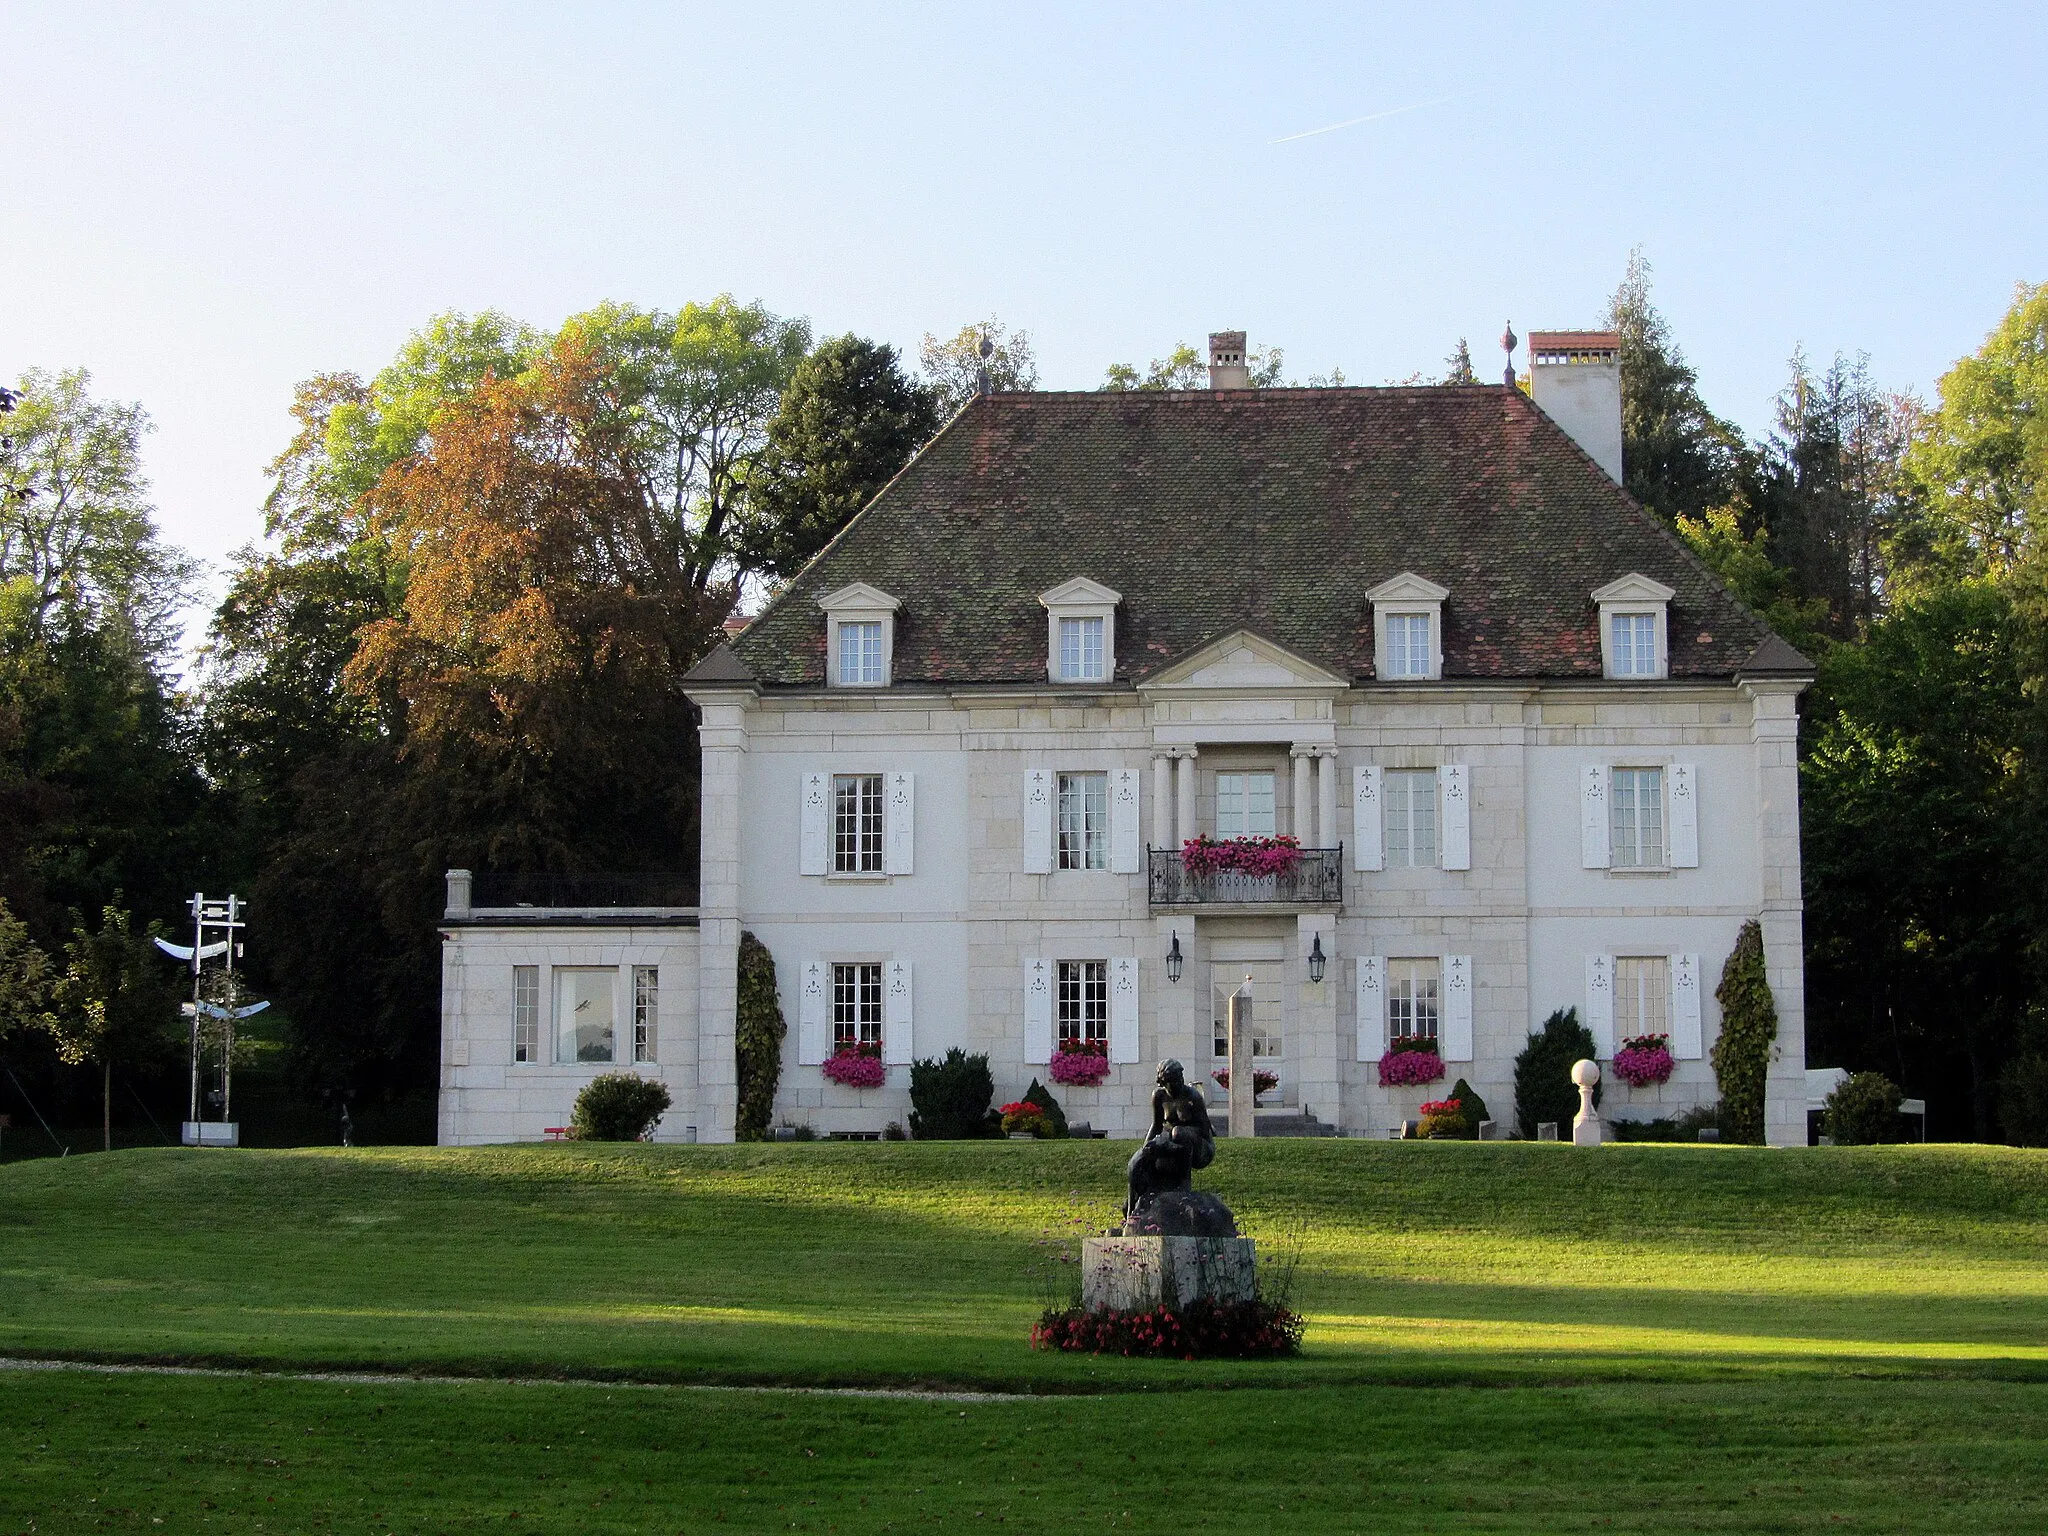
1316 880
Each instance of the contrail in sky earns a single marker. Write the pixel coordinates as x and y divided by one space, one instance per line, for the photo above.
1373 117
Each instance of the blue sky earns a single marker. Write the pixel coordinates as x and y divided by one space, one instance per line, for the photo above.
205 204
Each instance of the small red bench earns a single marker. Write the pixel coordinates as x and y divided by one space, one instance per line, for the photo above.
554 1132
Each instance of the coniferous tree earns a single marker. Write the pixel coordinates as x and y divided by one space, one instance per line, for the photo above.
1678 458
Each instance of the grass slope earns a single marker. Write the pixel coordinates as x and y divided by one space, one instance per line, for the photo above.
915 1262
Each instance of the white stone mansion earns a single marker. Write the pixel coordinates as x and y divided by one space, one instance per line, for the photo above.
1535 756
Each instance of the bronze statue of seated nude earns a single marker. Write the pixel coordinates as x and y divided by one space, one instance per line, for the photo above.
1181 1140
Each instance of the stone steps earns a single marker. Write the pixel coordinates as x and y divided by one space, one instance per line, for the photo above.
1284 1122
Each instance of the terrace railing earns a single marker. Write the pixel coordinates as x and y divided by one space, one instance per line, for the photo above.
640 893
1316 880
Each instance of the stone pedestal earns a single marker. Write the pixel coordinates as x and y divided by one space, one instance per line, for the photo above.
1136 1274
1587 1131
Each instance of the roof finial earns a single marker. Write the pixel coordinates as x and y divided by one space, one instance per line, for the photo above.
1508 338
988 350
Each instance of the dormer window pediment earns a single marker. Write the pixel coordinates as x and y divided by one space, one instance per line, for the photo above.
1635 627
1080 618
1408 627
860 636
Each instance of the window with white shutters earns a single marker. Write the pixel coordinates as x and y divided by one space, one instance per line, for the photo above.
1642 996
1084 1002
857 823
856 1005
1084 821
1636 840
1413 999
1411 817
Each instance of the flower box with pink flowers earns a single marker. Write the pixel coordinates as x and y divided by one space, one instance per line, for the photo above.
856 1066
1644 1061
1409 1062
1080 1063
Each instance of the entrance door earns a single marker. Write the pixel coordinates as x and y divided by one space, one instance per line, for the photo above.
1268 1039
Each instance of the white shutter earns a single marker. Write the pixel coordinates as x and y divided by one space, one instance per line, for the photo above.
1124 846
1686 1041
1457 1015
896 1024
1454 795
899 820
1037 1011
814 828
1123 1010
1038 788
1600 1003
1372 1007
1368 847
814 1014
1593 816
1685 816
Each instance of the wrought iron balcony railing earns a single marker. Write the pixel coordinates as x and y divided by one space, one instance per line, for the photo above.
1316 880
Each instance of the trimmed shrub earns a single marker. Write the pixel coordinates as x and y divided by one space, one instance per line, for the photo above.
618 1107
1055 1117
1471 1106
2023 1100
950 1098
757 1044
1749 1029
1862 1111
1203 1330
1543 1073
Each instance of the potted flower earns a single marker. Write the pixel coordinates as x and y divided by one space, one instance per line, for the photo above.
1444 1120
1410 1061
1080 1063
1644 1061
1023 1119
1253 857
856 1066
1263 1082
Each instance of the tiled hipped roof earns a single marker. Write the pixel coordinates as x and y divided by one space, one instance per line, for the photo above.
1270 509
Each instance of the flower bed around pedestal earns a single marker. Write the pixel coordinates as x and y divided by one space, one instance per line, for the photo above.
1080 1064
1409 1062
1644 1061
856 1066
1202 1330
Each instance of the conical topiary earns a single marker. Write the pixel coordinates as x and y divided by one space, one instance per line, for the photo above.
1471 1106
1749 1029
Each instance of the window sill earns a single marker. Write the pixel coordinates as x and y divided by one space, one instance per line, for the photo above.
1650 871
860 876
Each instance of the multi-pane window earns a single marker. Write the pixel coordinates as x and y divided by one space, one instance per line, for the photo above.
646 1012
1244 805
1407 645
1084 1001
856 823
1267 1036
1642 995
1411 818
1632 644
856 1004
1084 821
583 1013
526 1013
1638 813
860 653
1081 650
1412 992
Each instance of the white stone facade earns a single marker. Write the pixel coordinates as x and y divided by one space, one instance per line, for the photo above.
959 916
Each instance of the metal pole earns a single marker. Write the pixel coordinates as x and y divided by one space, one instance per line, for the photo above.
198 943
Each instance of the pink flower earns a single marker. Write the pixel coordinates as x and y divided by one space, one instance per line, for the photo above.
856 1066
1403 1069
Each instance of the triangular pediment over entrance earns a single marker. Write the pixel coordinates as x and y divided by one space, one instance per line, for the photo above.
1242 662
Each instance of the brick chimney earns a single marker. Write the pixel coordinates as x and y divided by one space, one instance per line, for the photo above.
1576 377
1226 361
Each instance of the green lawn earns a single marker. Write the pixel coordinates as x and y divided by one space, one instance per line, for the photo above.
1502 1337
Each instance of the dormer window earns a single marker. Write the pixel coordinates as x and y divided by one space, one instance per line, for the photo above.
860 633
1634 627
1080 631
1407 622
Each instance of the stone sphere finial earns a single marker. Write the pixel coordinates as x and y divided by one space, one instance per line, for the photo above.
1586 1074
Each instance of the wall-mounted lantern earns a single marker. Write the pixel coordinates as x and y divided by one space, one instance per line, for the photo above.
1173 960
1316 961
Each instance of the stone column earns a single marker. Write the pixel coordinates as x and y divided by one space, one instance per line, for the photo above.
1243 1118
722 734
1327 834
1184 795
1162 800
1304 798
1774 728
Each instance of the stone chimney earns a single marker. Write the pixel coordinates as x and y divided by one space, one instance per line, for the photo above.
1576 377
1226 361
